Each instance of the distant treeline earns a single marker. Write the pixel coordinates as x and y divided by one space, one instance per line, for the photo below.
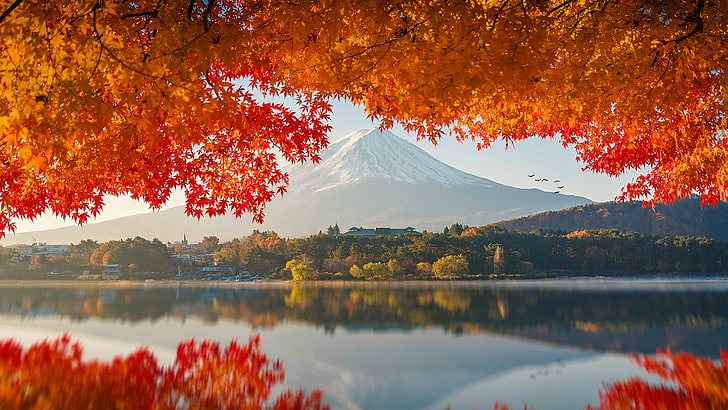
685 217
488 250
457 252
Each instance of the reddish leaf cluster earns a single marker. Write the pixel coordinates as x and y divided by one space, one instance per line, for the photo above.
690 382
52 374
140 98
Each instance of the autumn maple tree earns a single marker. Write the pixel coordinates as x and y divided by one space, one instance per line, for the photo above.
686 382
140 98
53 374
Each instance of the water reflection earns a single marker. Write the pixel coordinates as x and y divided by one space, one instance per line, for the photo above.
601 318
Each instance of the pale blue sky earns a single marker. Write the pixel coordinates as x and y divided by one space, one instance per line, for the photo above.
545 158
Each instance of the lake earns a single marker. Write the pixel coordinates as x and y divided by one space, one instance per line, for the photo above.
423 345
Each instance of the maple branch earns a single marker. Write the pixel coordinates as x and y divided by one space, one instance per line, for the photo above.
501 9
693 17
190 9
123 63
373 65
400 34
153 13
206 15
9 10
554 9
96 65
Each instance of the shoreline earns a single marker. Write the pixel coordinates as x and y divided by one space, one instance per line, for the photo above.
561 282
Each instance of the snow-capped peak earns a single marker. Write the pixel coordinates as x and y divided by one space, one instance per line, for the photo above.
375 154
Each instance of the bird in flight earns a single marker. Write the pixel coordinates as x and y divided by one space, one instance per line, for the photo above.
556 192
560 187
557 180
531 176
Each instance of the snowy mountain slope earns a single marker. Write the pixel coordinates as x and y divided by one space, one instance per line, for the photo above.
368 178
374 154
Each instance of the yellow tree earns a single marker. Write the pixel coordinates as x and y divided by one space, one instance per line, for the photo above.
115 97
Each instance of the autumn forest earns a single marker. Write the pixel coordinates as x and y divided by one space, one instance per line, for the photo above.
458 252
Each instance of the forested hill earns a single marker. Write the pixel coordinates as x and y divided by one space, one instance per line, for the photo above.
682 218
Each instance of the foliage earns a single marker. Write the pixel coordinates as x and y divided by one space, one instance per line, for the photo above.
424 269
684 217
80 254
300 271
141 98
450 267
689 382
455 229
52 374
357 272
604 251
257 249
144 254
377 271
629 84
209 244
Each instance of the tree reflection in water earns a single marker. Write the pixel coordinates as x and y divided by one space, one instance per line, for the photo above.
51 374
626 321
605 320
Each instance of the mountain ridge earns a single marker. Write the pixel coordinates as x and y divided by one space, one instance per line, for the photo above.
685 217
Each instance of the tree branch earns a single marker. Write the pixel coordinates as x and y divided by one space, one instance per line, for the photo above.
152 13
693 17
9 10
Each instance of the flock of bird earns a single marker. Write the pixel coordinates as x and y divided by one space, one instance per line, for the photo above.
556 181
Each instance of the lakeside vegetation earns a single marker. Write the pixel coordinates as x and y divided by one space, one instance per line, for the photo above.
458 252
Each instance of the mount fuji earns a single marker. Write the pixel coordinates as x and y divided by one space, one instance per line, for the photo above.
369 178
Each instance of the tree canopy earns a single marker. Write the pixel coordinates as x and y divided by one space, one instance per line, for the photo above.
140 98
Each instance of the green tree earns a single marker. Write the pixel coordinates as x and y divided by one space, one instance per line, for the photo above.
146 255
357 272
80 254
424 269
209 244
396 268
300 271
450 267
376 271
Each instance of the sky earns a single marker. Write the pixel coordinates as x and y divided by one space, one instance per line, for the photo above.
544 158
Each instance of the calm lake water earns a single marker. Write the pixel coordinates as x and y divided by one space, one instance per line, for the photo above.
399 346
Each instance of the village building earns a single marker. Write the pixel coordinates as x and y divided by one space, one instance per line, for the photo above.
111 271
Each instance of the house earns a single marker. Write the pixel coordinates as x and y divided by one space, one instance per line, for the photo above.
111 271
55 249
354 231
218 269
